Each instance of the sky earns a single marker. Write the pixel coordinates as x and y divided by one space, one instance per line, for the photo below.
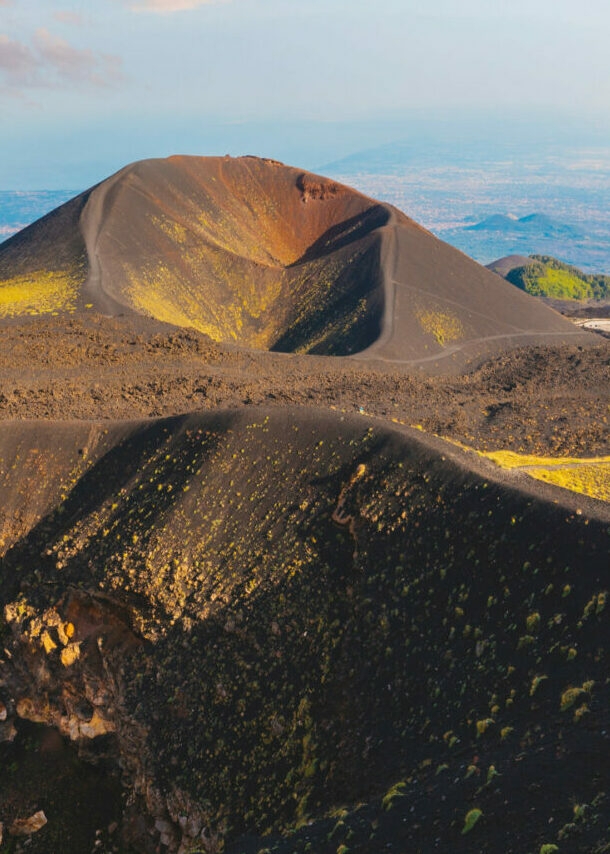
87 86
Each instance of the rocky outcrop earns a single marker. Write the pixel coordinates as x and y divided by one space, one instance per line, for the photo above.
62 668
313 188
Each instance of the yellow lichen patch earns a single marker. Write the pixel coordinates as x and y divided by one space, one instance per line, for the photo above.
511 460
159 293
571 695
28 709
171 228
483 725
65 632
592 480
70 654
584 475
233 277
442 325
42 292
213 297
587 476
47 642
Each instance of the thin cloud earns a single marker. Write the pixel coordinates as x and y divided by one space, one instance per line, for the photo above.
65 16
75 65
18 62
51 61
167 7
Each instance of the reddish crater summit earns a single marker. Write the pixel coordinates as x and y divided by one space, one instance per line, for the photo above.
313 188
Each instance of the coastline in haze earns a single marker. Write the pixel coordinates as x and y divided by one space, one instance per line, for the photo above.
19 208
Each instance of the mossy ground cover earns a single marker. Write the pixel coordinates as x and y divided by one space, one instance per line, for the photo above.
364 681
293 630
587 476
240 255
443 326
324 306
592 480
41 292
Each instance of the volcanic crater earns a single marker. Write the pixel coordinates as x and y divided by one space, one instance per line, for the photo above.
251 252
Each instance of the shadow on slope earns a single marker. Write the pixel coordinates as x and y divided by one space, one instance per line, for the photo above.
294 612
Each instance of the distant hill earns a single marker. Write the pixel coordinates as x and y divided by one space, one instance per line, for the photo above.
449 187
423 149
542 275
387 159
537 224
504 265
497 222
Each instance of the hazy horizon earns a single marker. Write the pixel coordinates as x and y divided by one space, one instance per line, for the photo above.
86 87
449 189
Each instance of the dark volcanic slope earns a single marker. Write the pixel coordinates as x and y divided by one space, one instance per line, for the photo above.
253 252
273 615
537 400
442 307
504 265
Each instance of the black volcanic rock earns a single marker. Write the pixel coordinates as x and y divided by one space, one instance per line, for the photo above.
256 613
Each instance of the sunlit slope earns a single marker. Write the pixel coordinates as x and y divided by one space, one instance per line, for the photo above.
258 253
296 610
246 250
43 267
586 476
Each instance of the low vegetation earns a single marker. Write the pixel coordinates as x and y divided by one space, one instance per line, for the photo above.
587 476
41 292
282 625
285 670
444 326
548 277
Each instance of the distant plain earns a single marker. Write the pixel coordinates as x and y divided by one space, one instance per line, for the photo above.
450 191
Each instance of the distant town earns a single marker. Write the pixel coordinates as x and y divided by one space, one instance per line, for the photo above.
569 188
